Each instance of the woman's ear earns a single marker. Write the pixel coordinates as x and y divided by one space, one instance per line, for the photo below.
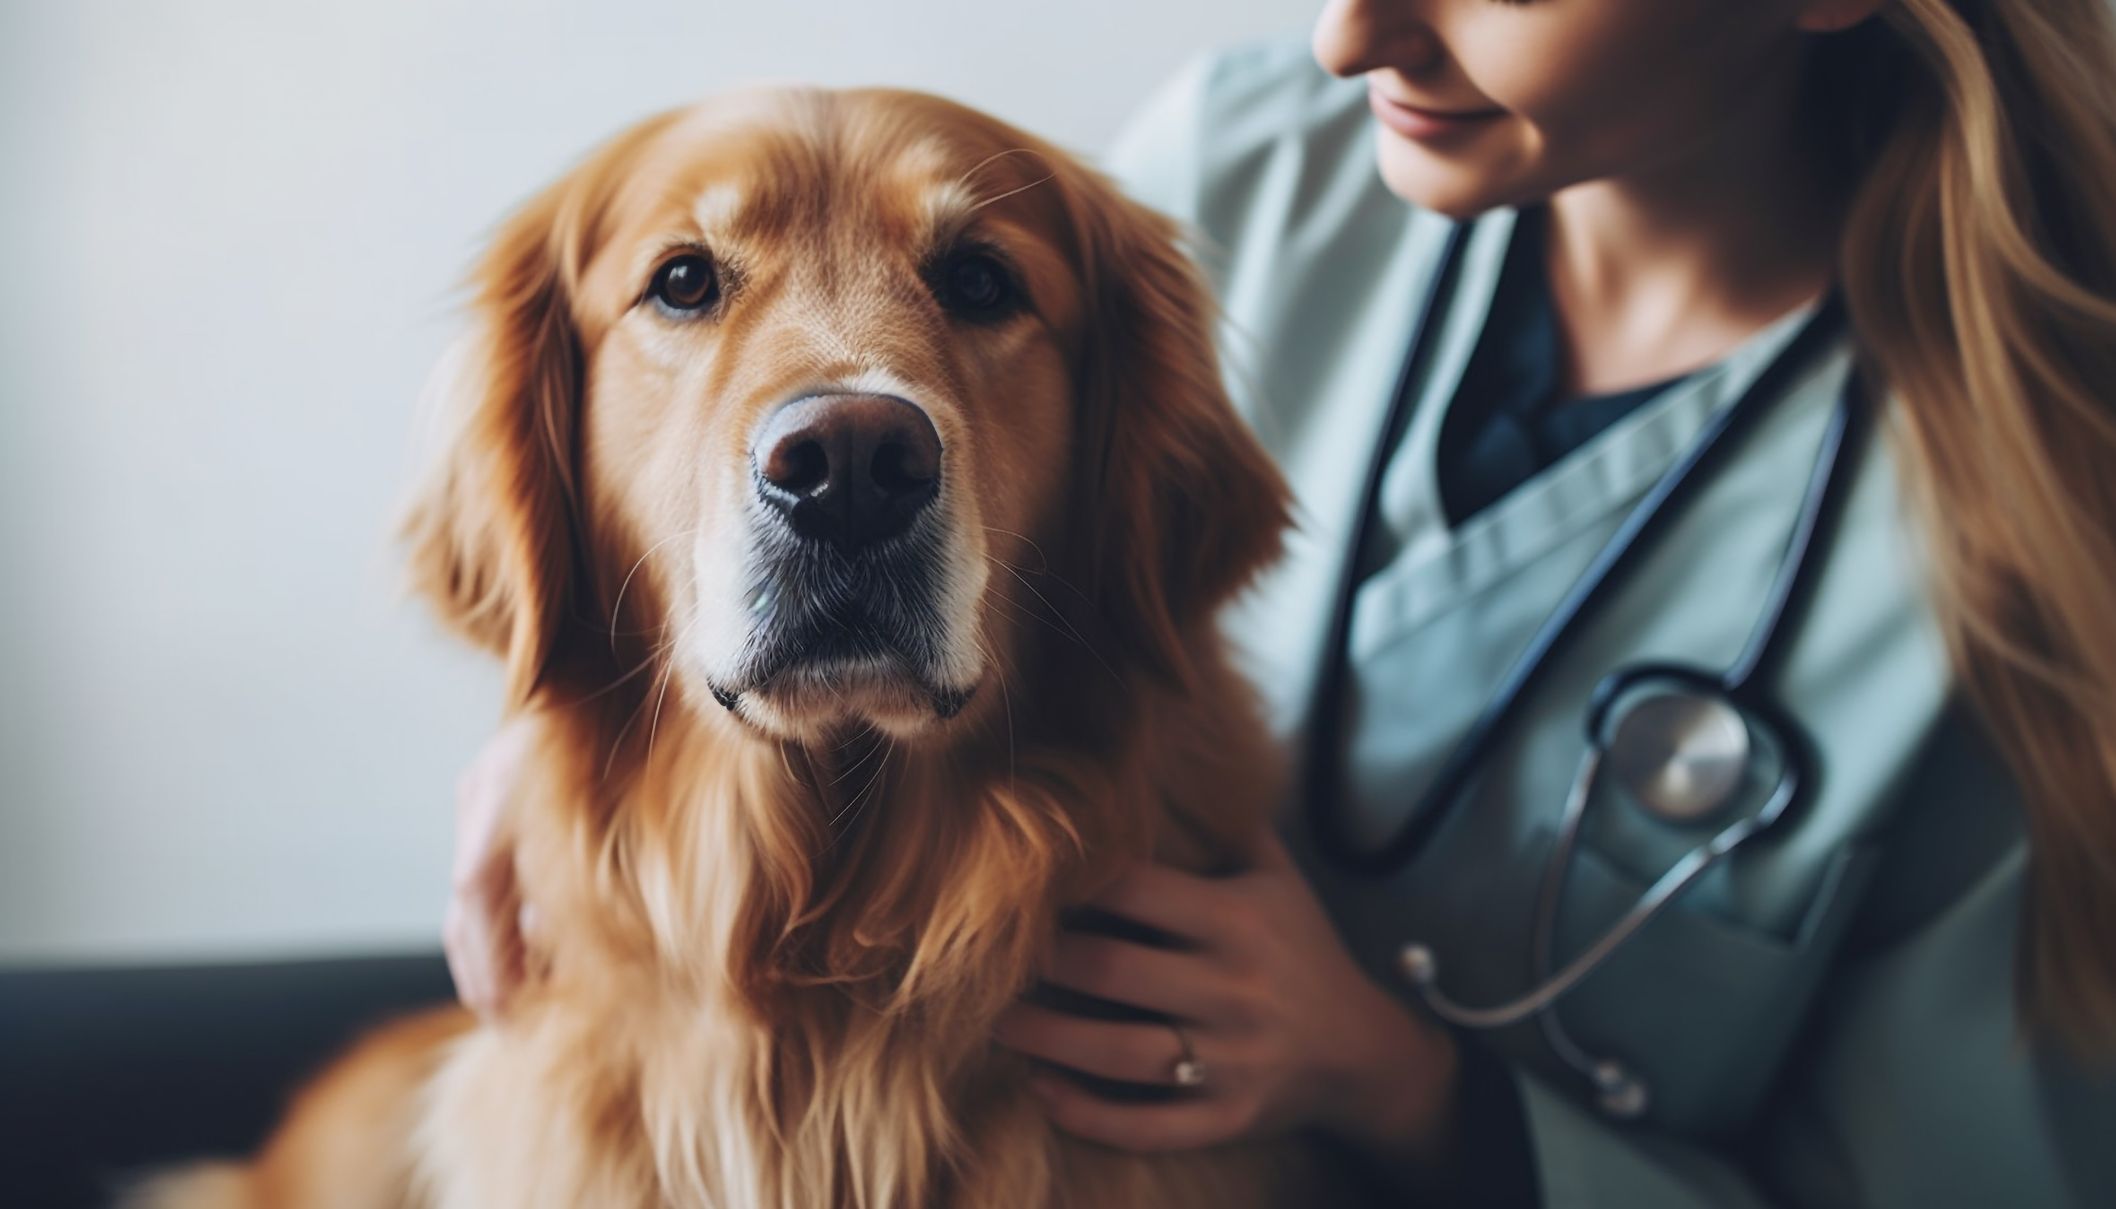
1183 503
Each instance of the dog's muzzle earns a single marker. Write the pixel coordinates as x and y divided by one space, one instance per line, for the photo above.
848 550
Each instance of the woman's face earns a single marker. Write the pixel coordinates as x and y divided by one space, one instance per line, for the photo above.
1486 103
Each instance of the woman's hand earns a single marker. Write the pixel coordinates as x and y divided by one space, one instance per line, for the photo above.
482 933
1290 1031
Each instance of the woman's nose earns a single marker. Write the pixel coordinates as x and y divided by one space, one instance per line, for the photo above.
1353 37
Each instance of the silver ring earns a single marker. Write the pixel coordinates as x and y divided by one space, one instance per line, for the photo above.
1187 1071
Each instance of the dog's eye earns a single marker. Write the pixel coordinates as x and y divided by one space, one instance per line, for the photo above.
975 285
686 284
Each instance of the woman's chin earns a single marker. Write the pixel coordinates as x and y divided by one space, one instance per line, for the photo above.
1457 189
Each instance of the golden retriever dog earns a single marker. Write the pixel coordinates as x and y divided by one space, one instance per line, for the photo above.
847 482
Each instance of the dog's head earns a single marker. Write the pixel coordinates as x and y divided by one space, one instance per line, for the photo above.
830 407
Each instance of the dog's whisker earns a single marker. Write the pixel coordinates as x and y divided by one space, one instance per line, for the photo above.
864 731
663 657
654 727
668 674
1015 610
617 741
1006 701
855 765
617 608
963 181
619 681
1047 574
1060 618
1045 179
1030 542
652 661
1020 611
637 670
855 806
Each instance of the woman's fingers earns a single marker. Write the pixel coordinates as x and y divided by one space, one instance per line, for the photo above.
469 959
1290 1032
482 939
471 963
465 972
1181 904
1169 981
1270 853
1184 1124
1130 1051
482 933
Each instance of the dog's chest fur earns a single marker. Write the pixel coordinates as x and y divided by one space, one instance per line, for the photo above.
731 1022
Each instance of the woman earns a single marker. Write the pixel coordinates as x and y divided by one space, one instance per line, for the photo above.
1597 224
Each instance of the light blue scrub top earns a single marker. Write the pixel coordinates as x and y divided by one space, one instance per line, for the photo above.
1825 1019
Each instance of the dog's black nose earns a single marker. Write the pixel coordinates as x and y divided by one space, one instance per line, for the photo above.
851 470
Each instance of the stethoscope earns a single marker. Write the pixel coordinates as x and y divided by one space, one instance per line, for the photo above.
1681 741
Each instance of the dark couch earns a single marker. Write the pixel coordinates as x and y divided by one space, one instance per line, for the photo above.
108 1072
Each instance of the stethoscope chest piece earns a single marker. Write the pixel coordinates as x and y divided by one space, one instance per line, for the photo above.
1679 754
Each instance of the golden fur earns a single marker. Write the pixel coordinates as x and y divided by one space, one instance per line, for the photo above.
774 941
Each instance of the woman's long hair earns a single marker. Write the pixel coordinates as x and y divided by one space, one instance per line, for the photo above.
1979 262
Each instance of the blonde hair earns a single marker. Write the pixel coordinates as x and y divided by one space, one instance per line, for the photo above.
1979 262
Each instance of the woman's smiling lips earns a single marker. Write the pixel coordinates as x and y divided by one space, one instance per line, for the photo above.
1425 125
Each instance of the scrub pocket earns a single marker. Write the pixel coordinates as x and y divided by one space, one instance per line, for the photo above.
1701 1006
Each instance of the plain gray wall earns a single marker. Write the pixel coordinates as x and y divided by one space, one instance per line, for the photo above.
229 237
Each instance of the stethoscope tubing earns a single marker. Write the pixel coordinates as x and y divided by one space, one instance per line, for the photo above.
1324 810
1821 502
1740 690
1670 886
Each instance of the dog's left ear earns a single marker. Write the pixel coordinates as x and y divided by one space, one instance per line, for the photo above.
1185 505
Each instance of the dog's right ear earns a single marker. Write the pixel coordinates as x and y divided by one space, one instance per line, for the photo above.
490 530
493 532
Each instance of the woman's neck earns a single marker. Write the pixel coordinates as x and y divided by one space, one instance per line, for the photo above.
1663 271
